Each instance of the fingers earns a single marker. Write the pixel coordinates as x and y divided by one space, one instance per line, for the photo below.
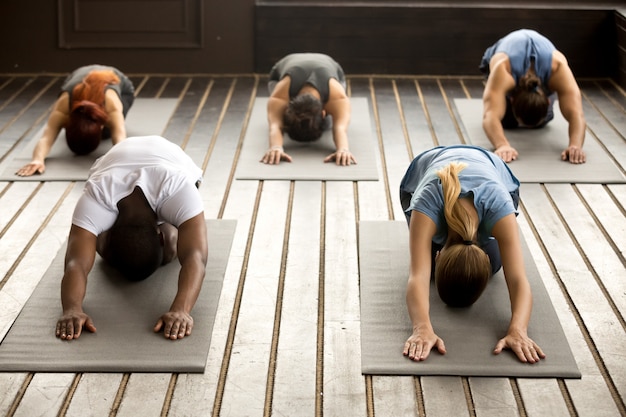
175 326
274 156
342 157
419 350
71 328
574 155
527 351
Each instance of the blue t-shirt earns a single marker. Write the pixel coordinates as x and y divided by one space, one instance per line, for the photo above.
486 178
522 46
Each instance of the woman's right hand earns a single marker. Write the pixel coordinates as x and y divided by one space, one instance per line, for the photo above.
274 155
34 167
422 341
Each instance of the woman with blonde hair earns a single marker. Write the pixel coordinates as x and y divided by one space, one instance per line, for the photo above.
525 75
92 105
460 204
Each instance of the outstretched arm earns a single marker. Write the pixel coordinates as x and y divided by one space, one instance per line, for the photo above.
192 254
56 121
276 106
564 84
494 108
79 259
423 340
115 110
506 233
338 106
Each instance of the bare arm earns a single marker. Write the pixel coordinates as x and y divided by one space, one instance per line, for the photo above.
192 253
500 81
276 106
79 259
564 84
506 233
419 344
338 106
115 111
56 121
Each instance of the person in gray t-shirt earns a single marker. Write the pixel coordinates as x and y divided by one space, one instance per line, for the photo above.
305 88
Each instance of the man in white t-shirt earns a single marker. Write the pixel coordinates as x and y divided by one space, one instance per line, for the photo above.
140 208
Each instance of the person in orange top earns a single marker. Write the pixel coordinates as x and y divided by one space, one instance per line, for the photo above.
92 105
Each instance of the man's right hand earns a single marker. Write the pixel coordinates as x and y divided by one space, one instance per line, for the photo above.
507 153
70 326
34 167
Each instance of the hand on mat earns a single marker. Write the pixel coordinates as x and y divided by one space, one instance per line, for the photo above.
274 155
526 350
574 154
35 167
175 325
421 342
341 157
70 326
507 153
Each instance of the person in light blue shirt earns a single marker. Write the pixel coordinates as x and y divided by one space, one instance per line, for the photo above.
525 75
460 204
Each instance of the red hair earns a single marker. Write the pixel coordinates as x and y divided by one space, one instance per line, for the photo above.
87 115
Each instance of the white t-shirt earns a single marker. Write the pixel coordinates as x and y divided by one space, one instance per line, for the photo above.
164 172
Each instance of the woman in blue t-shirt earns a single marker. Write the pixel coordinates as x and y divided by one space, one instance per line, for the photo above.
525 74
461 205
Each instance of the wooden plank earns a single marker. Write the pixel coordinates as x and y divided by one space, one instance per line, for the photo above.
590 394
197 394
607 267
45 395
144 395
598 317
248 367
374 192
493 397
343 387
294 390
444 396
96 393
440 117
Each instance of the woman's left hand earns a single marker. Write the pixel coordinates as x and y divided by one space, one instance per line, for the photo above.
523 346
341 157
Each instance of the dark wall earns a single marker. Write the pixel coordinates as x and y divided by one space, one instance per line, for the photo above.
620 24
402 39
178 36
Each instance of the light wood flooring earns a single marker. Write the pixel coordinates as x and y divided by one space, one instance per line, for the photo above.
286 336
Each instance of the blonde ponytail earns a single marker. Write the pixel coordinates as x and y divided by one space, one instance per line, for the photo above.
462 269
457 217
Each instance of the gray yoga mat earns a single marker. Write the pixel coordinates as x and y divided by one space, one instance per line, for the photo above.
308 158
539 159
124 314
469 334
147 116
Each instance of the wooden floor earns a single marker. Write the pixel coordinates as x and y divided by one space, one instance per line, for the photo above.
286 337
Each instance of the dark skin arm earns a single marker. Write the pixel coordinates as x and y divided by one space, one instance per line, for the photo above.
192 252
79 259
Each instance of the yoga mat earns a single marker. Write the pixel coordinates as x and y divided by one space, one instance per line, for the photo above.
308 158
147 116
124 314
469 334
539 159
